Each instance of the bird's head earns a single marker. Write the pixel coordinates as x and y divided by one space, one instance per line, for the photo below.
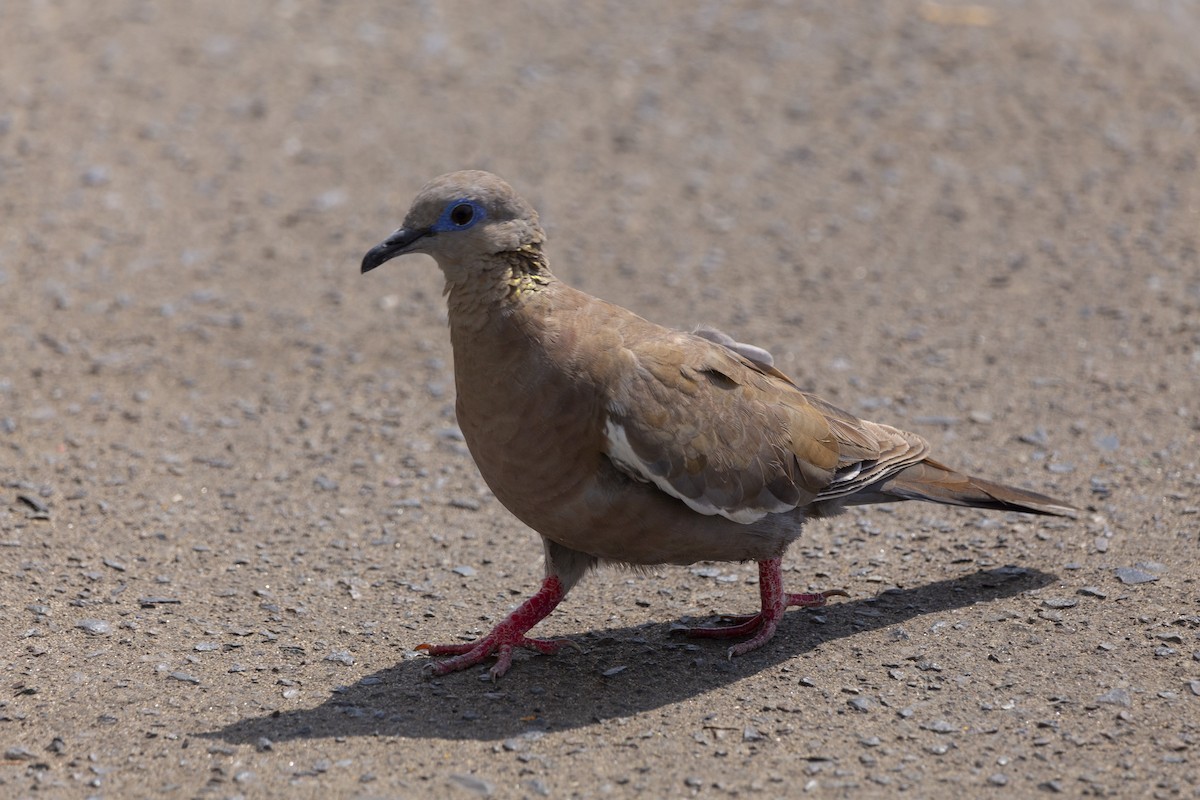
462 219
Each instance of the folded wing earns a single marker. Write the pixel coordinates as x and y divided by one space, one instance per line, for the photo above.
711 422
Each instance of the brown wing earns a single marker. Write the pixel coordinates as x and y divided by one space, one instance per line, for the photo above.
729 434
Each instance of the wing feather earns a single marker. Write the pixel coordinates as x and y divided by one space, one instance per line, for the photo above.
712 423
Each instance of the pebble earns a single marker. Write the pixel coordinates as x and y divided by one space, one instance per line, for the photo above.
1060 602
999 779
94 627
1038 438
1093 591
940 726
1195 687
185 678
751 734
611 671
1116 697
863 704
1133 576
146 602
464 571
34 503
18 754
341 657
472 784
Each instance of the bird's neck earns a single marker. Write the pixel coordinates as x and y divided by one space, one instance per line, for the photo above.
510 281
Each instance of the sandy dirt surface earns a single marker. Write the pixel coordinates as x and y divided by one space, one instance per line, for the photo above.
233 497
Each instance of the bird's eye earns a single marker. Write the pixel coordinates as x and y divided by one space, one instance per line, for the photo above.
462 214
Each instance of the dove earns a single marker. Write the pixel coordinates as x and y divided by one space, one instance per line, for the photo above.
620 441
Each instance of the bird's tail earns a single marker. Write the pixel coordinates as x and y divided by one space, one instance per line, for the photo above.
936 483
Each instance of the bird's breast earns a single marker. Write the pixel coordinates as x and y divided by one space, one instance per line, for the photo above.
530 422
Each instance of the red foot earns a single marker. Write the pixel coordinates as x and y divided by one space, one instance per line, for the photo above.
764 623
505 636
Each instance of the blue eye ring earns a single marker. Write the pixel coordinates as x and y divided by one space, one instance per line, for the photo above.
460 215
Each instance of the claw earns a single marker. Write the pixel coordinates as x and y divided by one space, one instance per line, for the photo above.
510 633
763 624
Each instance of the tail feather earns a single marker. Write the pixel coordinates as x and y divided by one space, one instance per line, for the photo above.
936 483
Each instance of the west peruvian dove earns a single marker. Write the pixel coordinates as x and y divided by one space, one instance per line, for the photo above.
622 441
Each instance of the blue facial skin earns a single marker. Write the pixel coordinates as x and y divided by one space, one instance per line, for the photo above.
455 216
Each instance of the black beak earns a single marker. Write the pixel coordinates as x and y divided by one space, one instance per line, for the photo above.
397 244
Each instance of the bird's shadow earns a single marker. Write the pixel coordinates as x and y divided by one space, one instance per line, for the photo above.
620 672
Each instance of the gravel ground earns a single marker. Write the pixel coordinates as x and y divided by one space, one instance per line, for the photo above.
233 497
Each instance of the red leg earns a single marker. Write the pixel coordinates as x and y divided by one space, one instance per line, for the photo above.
508 634
774 601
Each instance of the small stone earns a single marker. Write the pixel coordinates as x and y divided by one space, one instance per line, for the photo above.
1195 687
97 175
999 779
863 704
206 647
464 571
148 602
1093 591
94 627
1134 576
940 726
1060 602
184 678
611 671
751 734
342 657
1116 697
1038 438
472 784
